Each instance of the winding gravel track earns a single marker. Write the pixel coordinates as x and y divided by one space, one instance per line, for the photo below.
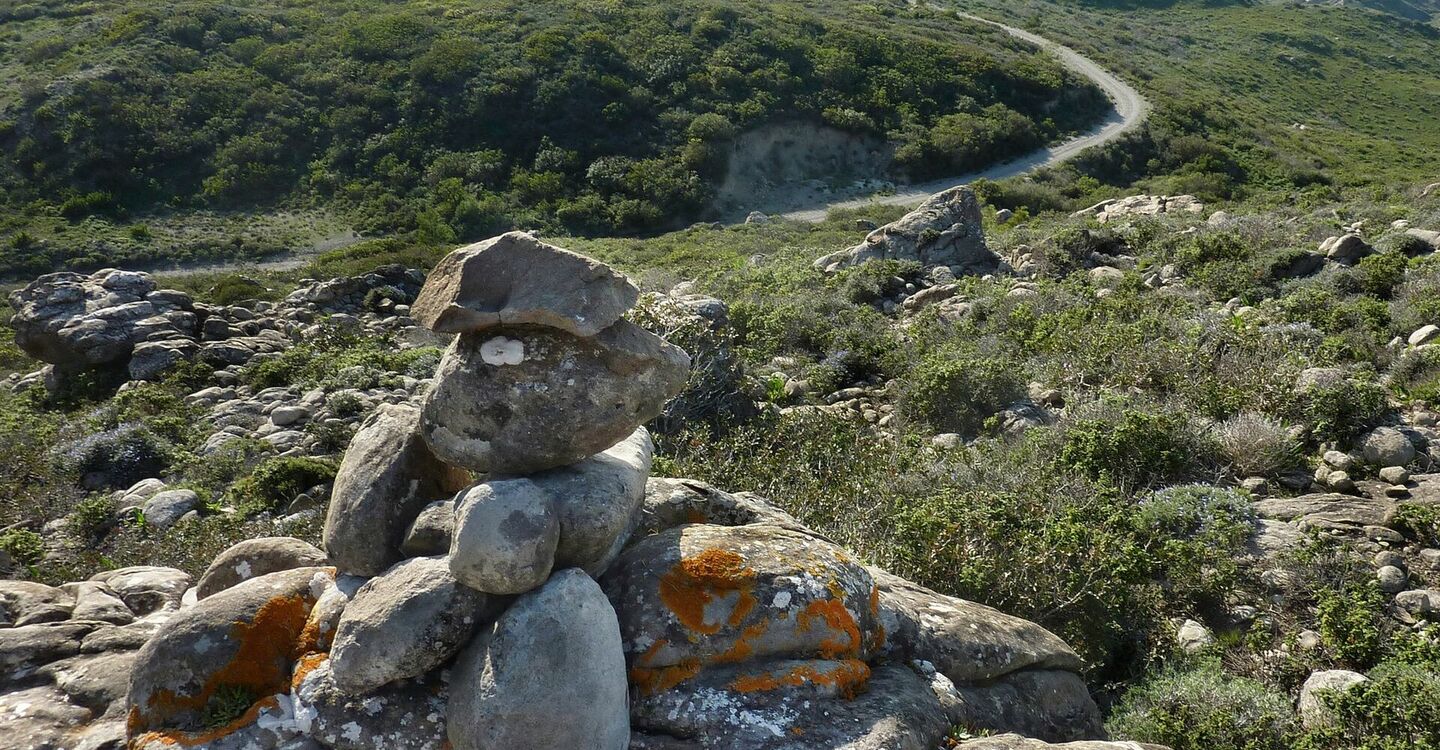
1130 109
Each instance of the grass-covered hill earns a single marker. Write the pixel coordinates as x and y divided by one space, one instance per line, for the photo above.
453 120
1283 103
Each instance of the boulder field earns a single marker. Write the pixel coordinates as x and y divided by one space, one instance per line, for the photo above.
499 570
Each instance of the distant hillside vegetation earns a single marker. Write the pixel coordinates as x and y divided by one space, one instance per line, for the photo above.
455 120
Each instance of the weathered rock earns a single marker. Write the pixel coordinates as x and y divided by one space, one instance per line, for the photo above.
795 705
1387 446
40 718
517 280
100 603
1344 513
1429 237
944 231
1017 742
164 509
506 533
146 589
1314 713
597 501
529 399
1047 704
1346 249
1141 205
78 321
550 673
674 502
1193 637
25 649
404 715
702 594
1424 335
430 533
245 637
257 557
27 603
965 641
387 476
405 623
150 360
98 682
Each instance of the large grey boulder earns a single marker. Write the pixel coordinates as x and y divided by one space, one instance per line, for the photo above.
1346 249
506 532
405 623
1387 446
99 603
699 595
388 475
76 321
522 400
795 705
517 280
257 557
248 636
403 715
944 231
550 673
25 649
966 642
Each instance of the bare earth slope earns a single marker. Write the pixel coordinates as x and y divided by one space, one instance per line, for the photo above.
1130 110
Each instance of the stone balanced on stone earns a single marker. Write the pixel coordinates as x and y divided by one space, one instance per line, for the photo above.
566 600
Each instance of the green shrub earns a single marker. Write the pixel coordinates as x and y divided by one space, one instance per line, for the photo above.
955 391
875 280
1133 447
1416 375
277 481
1379 274
1339 412
1255 445
1418 522
1205 709
1397 709
1351 623
24 546
93 517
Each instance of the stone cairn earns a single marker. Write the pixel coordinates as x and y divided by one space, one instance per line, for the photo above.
567 600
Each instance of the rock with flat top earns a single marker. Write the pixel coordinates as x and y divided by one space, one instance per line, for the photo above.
517 280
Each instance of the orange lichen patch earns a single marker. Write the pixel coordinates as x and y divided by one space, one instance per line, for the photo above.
744 646
648 658
178 738
697 581
836 617
874 601
848 677
304 667
655 681
267 647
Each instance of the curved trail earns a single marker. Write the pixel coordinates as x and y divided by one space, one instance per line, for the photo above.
1130 109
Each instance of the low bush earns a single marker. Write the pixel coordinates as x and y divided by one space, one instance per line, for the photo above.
277 481
955 391
1205 709
1133 446
23 546
1255 445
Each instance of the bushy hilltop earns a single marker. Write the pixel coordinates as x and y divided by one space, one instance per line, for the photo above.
1197 444
462 121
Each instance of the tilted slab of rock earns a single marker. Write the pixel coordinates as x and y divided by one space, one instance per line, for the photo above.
517 280
522 400
700 595
75 321
1346 513
675 502
248 637
550 674
966 642
256 557
387 476
404 623
944 231
794 706
1141 205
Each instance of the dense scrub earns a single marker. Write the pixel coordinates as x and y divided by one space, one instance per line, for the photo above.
453 123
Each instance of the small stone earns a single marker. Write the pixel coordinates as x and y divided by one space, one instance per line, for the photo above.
1193 637
1314 713
1256 486
1390 558
1340 481
166 508
1339 460
283 416
1309 640
1424 335
1395 474
1384 534
1392 580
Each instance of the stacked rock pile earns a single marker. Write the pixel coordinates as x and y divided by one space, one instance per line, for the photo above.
499 571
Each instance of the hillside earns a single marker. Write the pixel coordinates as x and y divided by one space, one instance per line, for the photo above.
453 122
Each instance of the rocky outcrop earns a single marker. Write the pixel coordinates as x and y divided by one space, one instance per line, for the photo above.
1141 205
561 599
944 231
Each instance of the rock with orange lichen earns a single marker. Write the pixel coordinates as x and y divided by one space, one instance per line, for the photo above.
675 502
700 595
403 715
404 623
243 640
964 640
1017 742
387 477
793 705
549 674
